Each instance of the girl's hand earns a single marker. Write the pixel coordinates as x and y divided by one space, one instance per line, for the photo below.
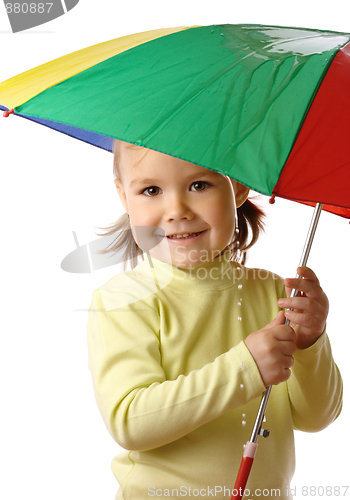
272 348
310 307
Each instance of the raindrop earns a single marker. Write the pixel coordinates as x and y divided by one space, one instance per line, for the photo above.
243 446
242 364
243 415
240 287
239 303
244 423
242 386
239 318
264 419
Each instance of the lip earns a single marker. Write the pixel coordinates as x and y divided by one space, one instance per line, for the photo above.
186 241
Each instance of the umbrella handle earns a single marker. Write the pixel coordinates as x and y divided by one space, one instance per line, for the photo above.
251 446
244 470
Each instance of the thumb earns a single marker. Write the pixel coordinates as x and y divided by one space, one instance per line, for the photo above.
279 320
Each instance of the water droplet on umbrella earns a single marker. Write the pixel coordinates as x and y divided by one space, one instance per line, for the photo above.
240 287
239 318
239 303
244 423
242 364
264 419
242 386
243 446
243 415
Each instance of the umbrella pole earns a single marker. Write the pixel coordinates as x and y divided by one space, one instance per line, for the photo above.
251 446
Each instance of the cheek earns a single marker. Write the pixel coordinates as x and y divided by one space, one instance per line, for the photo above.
224 211
142 213
226 229
223 217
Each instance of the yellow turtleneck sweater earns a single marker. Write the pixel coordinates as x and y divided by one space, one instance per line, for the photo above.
179 390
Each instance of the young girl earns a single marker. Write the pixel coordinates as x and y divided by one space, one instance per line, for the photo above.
182 347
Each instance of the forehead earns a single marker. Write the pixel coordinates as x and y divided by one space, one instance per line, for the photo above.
136 160
129 155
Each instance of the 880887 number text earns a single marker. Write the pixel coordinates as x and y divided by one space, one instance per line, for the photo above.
28 8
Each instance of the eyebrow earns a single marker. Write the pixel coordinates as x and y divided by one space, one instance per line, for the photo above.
142 181
191 177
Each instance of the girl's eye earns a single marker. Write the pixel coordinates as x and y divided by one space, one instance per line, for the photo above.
199 186
151 191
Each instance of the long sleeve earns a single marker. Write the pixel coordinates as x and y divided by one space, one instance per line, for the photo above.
315 387
141 409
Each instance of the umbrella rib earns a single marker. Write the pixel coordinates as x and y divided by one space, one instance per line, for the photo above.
224 109
179 106
254 122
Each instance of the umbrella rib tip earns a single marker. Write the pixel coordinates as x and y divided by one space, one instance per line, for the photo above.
272 199
7 113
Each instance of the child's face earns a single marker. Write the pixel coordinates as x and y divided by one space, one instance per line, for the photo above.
179 198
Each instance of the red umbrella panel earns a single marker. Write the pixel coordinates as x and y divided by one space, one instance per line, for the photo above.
322 146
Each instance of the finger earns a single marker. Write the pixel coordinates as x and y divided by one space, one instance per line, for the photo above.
287 348
301 284
278 320
307 273
281 372
289 361
308 321
305 288
301 304
286 375
284 333
289 289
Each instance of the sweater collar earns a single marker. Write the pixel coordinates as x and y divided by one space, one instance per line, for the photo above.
219 272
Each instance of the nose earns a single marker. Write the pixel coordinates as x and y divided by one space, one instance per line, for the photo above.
178 208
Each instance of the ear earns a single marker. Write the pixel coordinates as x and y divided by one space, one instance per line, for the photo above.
121 194
241 193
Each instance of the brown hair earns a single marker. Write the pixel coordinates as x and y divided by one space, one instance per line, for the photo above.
250 224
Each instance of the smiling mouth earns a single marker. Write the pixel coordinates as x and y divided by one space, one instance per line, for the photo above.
183 236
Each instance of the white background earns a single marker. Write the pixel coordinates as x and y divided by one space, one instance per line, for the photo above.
53 442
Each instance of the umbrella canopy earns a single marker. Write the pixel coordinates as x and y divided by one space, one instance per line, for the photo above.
266 105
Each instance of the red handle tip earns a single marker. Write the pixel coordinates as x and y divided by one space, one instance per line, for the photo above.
242 478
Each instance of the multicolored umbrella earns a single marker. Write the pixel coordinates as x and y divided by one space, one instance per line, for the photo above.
266 105
269 106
